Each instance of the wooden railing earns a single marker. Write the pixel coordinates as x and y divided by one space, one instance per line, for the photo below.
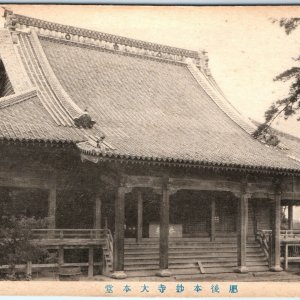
101 237
89 234
290 234
108 252
264 237
290 246
289 241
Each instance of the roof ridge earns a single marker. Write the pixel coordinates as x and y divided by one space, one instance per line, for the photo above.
76 111
99 48
58 103
220 100
17 98
12 62
106 40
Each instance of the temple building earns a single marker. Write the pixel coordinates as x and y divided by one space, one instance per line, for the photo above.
134 155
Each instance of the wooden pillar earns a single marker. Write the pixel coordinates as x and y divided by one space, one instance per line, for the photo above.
164 233
242 228
97 213
291 216
91 262
52 211
61 255
286 257
51 208
276 233
212 220
139 231
29 269
118 263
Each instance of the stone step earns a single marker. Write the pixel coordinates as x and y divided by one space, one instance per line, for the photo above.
194 265
142 267
141 273
227 238
143 259
191 252
261 261
208 243
258 268
218 260
195 262
192 273
187 247
192 255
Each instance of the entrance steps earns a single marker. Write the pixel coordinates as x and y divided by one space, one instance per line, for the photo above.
186 256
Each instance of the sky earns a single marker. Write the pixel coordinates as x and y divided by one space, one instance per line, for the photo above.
246 50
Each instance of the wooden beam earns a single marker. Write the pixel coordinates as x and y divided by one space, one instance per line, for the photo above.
118 262
242 229
291 216
26 179
204 184
263 195
42 179
260 187
291 196
212 220
218 184
143 181
276 233
164 233
139 232
91 262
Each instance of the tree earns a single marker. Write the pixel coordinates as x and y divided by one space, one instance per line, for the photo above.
16 245
290 104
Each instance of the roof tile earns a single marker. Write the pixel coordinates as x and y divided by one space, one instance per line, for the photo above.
155 108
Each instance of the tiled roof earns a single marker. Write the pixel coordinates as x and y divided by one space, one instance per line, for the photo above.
155 109
24 118
148 106
288 142
59 105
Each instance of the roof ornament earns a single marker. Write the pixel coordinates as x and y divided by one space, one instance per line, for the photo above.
116 46
10 19
96 144
84 121
11 23
203 61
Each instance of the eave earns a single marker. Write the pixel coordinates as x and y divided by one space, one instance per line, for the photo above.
181 163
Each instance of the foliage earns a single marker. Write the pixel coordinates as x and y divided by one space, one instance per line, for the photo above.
289 24
290 104
16 246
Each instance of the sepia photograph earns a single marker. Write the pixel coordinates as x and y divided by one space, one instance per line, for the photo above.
149 143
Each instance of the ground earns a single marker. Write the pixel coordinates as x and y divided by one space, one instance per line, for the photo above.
293 275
